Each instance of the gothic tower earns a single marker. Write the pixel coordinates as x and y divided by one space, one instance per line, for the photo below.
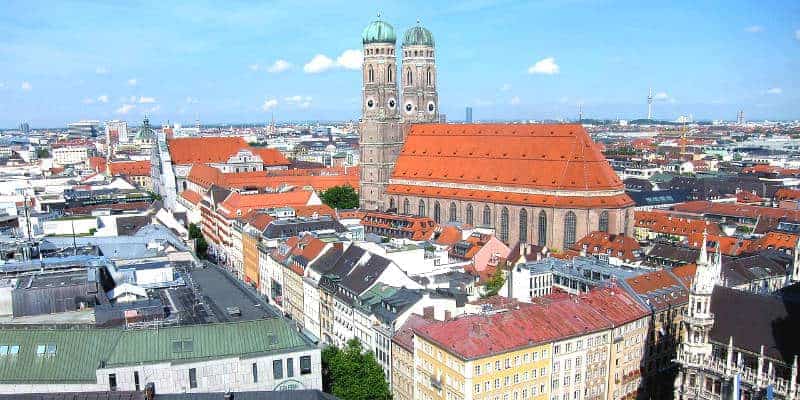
381 135
695 349
420 98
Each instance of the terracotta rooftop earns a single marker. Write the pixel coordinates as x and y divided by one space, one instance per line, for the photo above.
620 246
703 207
191 196
97 164
774 240
728 245
667 223
204 150
414 227
242 204
205 176
549 319
404 337
130 168
787 194
661 289
539 156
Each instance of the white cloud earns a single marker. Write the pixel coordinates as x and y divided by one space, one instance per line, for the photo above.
26 86
101 70
132 82
279 66
320 63
775 90
506 87
661 96
146 100
269 104
514 100
191 100
88 100
102 99
125 108
154 109
299 101
545 66
350 59
754 29
254 67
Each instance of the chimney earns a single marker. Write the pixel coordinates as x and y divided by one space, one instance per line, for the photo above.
427 312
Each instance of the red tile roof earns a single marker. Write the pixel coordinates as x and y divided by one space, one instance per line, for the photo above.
202 150
191 196
615 201
787 194
448 235
129 168
547 320
685 273
669 224
703 207
398 225
238 204
404 337
661 288
205 176
744 197
774 240
621 246
535 156
97 164
728 245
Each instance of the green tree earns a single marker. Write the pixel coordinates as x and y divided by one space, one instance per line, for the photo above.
340 197
201 246
42 153
352 374
495 282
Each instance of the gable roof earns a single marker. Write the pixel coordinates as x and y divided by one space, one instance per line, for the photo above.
202 150
245 203
130 168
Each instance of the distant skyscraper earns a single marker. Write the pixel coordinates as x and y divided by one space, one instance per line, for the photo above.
83 128
650 105
468 117
119 129
740 117
25 128
442 118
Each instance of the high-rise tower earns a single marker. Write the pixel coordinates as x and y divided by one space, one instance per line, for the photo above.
420 98
381 134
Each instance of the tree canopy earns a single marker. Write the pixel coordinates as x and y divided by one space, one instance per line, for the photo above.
352 374
495 282
340 197
201 246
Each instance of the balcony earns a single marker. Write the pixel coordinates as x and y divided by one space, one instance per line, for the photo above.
699 320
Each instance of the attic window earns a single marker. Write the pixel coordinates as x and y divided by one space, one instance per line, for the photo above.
48 349
9 349
182 346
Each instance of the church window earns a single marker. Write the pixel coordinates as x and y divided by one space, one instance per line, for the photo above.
406 207
421 208
504 225
437 212
469 215
428 77
603 226
391 203
453 212
409 77
370 74
570 221
523 226
389 76
542 240
487 216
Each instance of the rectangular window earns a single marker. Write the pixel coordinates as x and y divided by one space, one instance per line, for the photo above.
289 367
136 380
305 365
277 369
255 373
477 370
193 378
112 382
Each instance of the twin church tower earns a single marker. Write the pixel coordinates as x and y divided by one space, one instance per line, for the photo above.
386 112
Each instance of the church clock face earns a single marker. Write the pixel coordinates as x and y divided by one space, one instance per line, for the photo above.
431 107
409 107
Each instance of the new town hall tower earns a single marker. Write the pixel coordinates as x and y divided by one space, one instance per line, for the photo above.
385 114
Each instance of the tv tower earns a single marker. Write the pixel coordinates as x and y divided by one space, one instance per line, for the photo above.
580 112
650 104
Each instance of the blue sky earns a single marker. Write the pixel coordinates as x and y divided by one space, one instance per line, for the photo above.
66 60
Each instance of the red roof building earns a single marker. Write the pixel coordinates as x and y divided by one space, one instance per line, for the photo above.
739 213
218 150
398 226
650 224
204 176
129 168
623 247
520 172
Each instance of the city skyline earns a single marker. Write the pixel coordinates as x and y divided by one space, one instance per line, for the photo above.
246 62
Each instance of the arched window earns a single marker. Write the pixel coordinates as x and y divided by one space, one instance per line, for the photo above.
409 77
523 226
370 74
406 207
391 203
542 240
469 214
437 212
428 77
569 229
453 212
603 225
487 216
504 225
421 208
389 74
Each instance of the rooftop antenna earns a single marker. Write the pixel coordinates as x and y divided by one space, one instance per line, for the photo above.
650 104
580 112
